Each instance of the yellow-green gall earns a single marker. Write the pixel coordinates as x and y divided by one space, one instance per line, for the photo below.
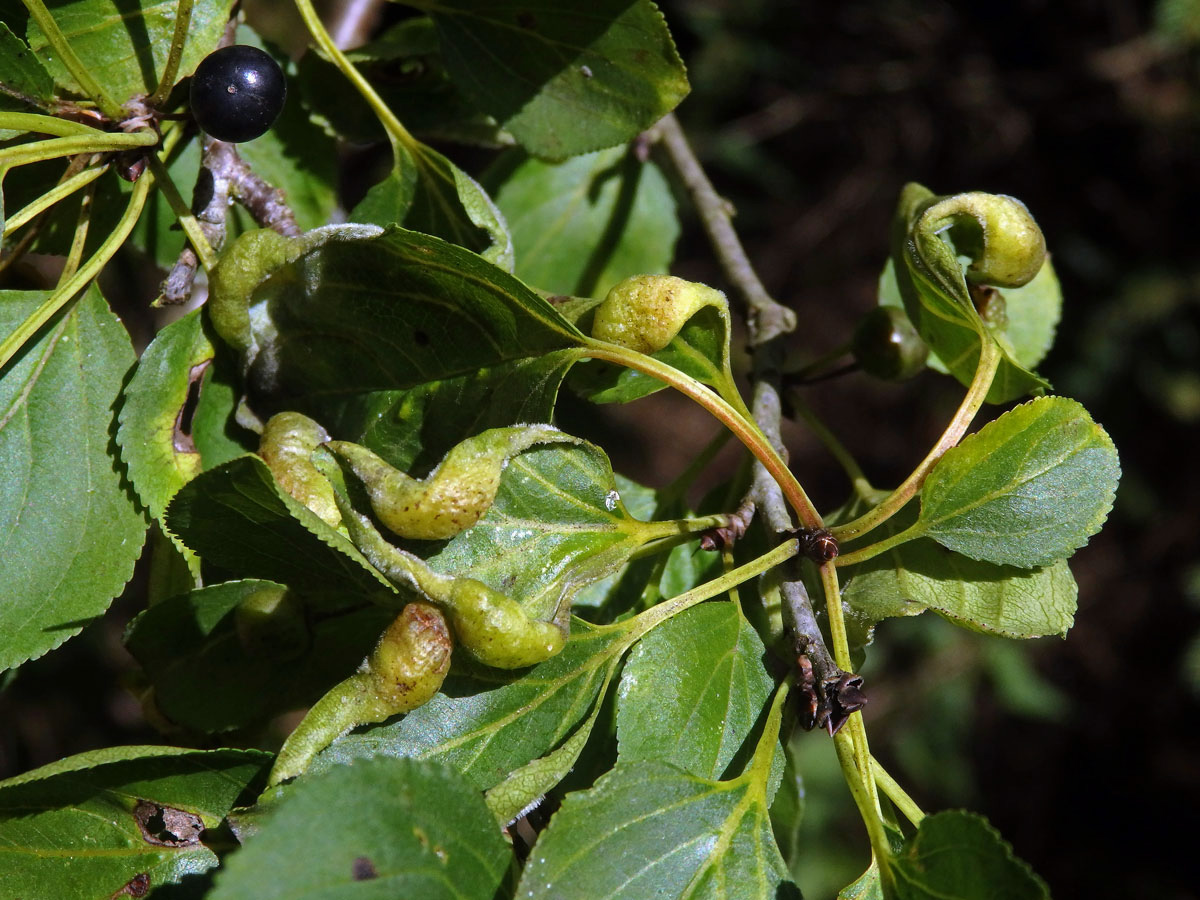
410 662
286 446
1012 247
453 496
496 630
645 312
404 671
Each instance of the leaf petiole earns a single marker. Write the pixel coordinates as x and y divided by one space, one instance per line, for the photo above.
35 122
93 142
54 36
743 428
183 213
183 18
985 371
52 196
914 531
891 788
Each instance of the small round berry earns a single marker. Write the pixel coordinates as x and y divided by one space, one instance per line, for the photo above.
237 92
886 345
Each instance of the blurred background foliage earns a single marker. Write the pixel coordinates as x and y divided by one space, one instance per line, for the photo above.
810 118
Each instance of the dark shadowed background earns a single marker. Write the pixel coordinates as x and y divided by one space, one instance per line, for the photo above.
1083 752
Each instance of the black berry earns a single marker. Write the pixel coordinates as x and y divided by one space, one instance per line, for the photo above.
237 92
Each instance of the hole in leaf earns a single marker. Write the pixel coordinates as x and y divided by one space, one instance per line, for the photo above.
182 440
137 886
165 826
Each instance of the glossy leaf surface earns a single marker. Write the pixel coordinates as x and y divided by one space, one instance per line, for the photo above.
353 309
1027 489
237 517
693 690
581 226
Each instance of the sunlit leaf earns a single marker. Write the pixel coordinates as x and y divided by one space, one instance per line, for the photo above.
70 531
117 821
563 79
379 828
583 225
124 45
1027 489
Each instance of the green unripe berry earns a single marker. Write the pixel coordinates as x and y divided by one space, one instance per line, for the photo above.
886 345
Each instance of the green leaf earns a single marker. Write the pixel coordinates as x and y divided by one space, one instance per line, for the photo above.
157 452
525 787
1028 489
69 530
788 808
410 428
1030 317
488 733
209 676
701 350
125 48
867 887
350 309
560 506
921 574
1002 600
929 277
957 855
427 193
237 517
380 828
90 825
563 79
21 71
581 226
650 829
700 679
1027 316
404 65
